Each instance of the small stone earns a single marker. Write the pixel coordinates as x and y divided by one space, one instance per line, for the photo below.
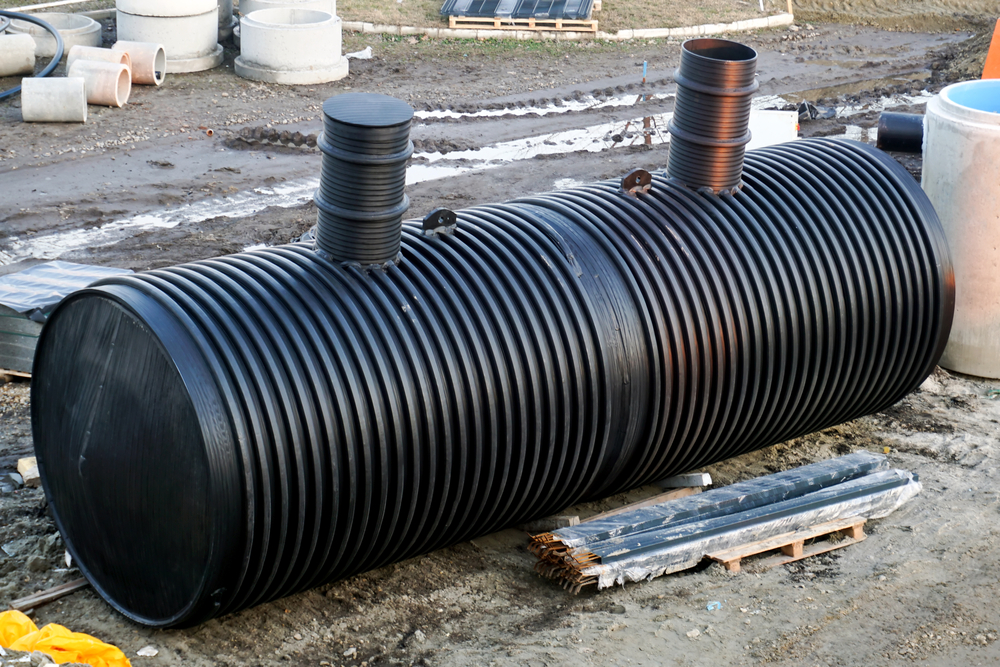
6 489
147 652
350 652
37 564
16 480
617 609
39 659
694 634
297 637
419 637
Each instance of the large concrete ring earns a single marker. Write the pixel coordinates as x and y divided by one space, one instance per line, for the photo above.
75 29
291 46
187 29
291 78
198 63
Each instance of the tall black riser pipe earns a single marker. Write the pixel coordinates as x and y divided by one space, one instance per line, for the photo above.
223 433
710 127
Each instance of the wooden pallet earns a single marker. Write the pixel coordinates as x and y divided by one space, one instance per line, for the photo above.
793 545
498 23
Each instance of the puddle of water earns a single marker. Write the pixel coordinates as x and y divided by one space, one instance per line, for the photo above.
858 133
589 103
567 183
855 87
884 103
768 127
55 245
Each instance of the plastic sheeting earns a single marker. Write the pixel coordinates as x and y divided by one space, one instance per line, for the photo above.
520 9
44 285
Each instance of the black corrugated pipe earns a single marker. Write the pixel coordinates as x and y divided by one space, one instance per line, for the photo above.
227 432
711 124
361 198
900 132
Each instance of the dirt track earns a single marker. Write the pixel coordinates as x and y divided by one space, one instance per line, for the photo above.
922 587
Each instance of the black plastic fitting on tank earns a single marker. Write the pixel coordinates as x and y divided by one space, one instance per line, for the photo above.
361 197
711 124
900 132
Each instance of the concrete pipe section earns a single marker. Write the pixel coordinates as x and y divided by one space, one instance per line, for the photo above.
248 6
54 100
17 55
961 177
149 61
291 46
187 29
75 29
227 21
108 84
95 54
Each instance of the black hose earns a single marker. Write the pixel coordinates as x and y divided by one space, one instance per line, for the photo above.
710 127
55 59
223 433
900 132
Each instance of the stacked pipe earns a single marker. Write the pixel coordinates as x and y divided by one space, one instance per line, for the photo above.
227 432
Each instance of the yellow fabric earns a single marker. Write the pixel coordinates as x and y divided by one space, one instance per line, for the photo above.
18 633
13 626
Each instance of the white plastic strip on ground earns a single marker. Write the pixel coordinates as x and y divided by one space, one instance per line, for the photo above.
768 127
589 103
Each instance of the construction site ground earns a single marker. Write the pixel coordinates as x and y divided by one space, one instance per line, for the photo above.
146 186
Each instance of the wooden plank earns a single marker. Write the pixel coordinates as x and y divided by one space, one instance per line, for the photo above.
502 23
655 500
16 374
807 552
793 544
51 595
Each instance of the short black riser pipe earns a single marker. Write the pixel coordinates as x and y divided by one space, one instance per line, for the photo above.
223 433
361 197
710 127
900 132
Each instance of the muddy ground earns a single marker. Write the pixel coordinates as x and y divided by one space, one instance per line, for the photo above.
144 187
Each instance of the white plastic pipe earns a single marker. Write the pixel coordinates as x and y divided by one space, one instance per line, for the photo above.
961 176
94 53
54 100
73 28
291 46
108 84
149 61
17 55
328 6
187 29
